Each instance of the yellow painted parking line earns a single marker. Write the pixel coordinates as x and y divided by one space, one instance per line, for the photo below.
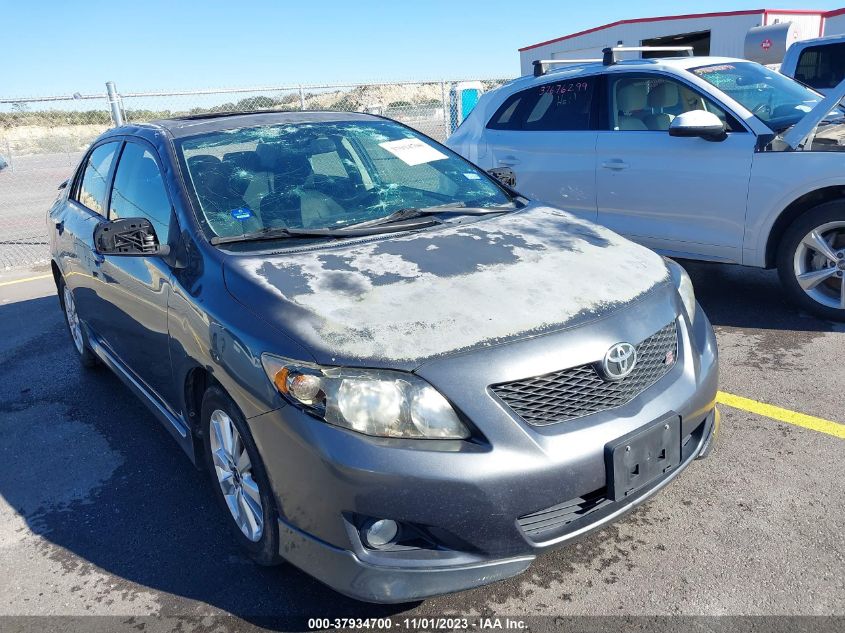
20 281
782 415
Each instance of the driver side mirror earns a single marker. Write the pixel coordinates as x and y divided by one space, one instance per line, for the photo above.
504 175
128 236
699 123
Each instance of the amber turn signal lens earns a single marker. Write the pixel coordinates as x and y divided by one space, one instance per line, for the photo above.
281 380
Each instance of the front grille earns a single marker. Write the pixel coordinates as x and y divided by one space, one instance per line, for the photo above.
579 391
542 522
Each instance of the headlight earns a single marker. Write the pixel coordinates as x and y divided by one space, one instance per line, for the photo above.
684 285
370 401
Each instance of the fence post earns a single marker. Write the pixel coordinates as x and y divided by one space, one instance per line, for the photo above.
445 108
301 98
114 104
8 155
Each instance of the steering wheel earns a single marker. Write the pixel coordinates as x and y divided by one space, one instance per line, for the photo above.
762 108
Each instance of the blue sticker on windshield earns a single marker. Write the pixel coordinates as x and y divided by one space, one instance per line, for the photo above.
242 213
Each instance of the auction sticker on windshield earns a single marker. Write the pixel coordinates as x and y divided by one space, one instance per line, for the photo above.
412 151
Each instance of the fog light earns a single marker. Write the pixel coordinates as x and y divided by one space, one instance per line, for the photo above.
380 533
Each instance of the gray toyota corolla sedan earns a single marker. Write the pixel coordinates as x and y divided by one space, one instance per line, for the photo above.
401 376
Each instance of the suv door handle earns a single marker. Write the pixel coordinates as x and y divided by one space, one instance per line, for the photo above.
509 161
615 163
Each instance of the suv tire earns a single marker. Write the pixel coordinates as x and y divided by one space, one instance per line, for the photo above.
820 262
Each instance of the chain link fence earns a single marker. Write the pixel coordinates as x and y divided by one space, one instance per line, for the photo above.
42 139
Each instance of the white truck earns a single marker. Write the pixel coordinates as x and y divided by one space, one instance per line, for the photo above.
818 63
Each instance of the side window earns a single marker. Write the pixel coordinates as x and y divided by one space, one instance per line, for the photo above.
139 190
91 191
559 106
648 103
821 66
506 117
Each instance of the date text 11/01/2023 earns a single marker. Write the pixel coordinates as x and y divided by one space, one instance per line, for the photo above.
423 623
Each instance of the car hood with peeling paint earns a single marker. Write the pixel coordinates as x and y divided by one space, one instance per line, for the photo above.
398 300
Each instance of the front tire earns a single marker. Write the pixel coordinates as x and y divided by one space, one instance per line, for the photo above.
87 358
811 260
238 477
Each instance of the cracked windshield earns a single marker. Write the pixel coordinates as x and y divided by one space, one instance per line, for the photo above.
324 175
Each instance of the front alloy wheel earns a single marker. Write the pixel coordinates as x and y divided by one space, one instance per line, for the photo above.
239 478
819 264
234 475
811 260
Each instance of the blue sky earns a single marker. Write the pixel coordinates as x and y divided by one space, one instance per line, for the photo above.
60 47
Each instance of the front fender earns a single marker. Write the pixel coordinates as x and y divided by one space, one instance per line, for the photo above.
777 180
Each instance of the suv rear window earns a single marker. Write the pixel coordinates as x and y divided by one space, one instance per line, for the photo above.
558 106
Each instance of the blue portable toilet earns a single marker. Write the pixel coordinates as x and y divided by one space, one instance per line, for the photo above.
464 96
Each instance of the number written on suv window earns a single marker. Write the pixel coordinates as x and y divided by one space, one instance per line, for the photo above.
558 106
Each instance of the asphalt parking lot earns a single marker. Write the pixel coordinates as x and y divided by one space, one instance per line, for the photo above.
101 513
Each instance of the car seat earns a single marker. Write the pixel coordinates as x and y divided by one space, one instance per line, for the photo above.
661 96
219 198
294 177
630 98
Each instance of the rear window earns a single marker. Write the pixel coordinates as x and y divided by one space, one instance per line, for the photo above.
821 66
558 106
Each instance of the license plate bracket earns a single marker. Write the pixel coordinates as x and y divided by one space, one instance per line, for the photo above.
635 460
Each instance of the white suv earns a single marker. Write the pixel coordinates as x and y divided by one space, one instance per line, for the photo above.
706 158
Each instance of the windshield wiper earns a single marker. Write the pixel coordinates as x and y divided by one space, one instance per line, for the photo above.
275 233
409 213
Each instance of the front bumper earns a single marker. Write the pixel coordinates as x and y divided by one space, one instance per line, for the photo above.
346 572
471 496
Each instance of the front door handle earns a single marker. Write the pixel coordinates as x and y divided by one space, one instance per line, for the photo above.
615 164
509 161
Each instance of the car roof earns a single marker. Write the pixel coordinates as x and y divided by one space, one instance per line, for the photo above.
827 39
179 127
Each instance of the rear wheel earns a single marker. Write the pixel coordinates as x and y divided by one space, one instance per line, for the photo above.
86 356
238 477
811 260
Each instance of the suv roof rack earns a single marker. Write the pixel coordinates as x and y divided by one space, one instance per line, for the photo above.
611 51
541 65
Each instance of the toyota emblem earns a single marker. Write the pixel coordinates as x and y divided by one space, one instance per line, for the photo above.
619 361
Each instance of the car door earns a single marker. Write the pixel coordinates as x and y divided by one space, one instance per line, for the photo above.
681 196
547 136
132 316
74 224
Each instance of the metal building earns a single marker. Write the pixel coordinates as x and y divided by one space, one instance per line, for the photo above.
719 33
